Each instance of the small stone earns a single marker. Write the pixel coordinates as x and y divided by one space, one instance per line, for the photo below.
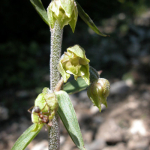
87 136
137 126
68 145
119 88
43 145
138 144
94 110
96 145
83 97
110 132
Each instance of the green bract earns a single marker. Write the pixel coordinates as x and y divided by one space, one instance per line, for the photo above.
65 11
45 107
94 76
74 62
98 92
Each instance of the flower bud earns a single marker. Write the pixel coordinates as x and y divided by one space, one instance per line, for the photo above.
46 105
64 11
98 92
74 62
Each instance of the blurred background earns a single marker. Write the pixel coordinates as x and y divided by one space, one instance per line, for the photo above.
124 58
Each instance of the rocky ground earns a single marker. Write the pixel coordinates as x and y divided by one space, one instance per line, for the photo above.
124 125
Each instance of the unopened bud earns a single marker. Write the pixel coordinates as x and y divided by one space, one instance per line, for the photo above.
98 92
45 107
64 11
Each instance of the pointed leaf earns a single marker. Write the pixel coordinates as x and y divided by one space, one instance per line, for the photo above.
69 119
88 20
27 137
41 10
75 86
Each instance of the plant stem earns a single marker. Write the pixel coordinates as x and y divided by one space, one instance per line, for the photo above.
56 42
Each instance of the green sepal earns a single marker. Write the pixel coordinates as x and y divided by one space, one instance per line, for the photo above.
65 75
51 17
62 21
27 136
41 10
74 19
86 75
88 20
79 51
68 7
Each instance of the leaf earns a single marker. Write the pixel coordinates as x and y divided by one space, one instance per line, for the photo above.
75 86
27 137
41 10
88 20
69 119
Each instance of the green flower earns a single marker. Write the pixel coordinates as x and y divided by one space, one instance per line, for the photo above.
74 62
65 11
45 107
98 92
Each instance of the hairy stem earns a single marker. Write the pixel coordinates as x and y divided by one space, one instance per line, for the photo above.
56 42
